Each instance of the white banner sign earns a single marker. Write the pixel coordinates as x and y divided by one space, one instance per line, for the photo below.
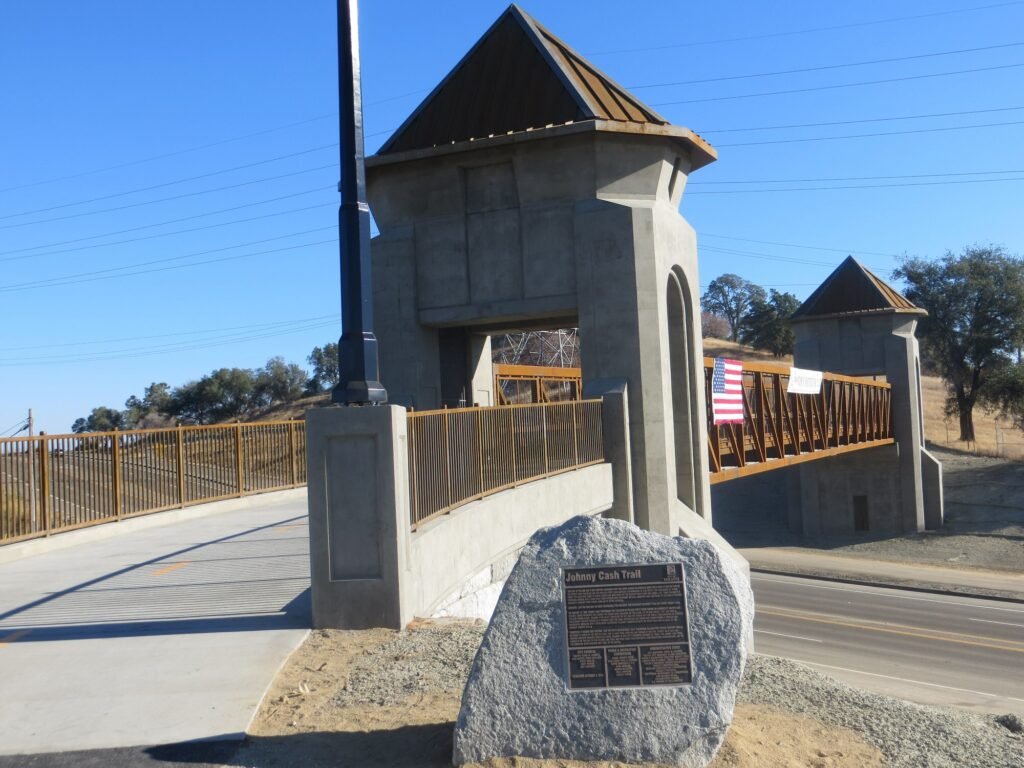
803 382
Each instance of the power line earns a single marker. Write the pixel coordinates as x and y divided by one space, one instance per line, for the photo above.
194 332
855 178
160 234
105 274
797 245
176 221
855 186
809 30
185 180
869 135
862 120
839 85
767 256
166 199
159 350
826 67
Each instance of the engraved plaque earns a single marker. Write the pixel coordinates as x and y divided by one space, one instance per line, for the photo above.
626 626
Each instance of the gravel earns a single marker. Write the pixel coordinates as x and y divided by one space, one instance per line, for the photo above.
433 658
909 735
437 657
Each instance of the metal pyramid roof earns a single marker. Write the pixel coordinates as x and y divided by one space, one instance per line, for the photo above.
852 289
518 76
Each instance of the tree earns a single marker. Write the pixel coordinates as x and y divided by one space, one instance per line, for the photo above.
102 419
325 368
280 382
227 393
766 325
713 326
731 297
975 303
153 407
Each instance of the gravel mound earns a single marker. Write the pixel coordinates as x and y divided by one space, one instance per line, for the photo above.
435 658
909 735
430 659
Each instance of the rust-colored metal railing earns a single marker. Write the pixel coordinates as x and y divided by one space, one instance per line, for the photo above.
521 384
462 454
54 483
779 429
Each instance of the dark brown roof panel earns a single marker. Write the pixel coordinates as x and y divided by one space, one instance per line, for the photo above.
852 289
518 76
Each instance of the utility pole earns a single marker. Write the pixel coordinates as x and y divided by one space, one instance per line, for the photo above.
31 472
357 349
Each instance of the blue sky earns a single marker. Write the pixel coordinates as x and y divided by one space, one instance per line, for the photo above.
167 178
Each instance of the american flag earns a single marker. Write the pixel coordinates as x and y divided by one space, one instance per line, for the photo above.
727 391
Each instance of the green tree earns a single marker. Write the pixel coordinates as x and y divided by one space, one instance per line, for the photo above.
101 419
766 324
325 367
155 401
975 303
227 393
731 297
280 382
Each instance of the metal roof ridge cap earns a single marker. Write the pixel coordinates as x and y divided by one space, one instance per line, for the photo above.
600 72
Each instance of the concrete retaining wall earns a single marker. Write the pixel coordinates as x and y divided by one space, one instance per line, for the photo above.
445 554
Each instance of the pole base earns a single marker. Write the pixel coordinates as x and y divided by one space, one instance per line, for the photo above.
359 393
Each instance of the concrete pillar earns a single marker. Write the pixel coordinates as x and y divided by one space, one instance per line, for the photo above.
615 434
357 459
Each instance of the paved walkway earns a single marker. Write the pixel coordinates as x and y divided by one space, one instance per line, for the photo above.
970 581
152 636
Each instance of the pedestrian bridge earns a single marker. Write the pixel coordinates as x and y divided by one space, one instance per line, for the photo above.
457 456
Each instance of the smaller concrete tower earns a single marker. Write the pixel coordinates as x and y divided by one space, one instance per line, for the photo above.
857 324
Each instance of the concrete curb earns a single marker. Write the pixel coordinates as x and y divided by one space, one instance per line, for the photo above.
11 552
933 590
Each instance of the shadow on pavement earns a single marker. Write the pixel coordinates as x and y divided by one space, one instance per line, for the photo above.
411 746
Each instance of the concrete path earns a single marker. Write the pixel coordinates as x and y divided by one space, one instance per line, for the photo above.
968 581
152 636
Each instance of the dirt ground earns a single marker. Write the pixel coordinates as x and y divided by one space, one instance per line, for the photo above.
318 712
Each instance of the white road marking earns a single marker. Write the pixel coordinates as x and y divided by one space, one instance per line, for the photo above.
903 679
880 592
1005 623
779 634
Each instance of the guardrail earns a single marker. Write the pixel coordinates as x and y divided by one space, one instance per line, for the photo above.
55 483
522 384
779 429
458 455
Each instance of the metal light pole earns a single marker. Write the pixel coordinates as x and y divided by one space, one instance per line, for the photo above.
357 348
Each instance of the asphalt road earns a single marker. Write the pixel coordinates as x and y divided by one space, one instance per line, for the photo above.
933 649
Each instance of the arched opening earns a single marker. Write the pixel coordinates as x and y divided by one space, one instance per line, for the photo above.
682 379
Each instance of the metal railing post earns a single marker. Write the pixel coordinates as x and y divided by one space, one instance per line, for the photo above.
480 447
239 470
46 505
293 453
180 440
512 441
447 456
544 425
575 437
115 460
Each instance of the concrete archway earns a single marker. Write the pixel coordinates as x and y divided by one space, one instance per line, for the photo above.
682 380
